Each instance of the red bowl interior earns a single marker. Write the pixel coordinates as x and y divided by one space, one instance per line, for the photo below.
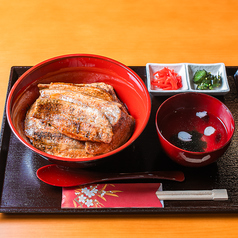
198 102
79 68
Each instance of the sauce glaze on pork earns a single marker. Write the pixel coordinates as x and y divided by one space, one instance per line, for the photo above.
78 120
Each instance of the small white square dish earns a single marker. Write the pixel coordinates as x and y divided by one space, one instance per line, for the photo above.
180 69
214 69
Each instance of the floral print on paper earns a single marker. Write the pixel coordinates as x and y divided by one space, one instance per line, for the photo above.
91 196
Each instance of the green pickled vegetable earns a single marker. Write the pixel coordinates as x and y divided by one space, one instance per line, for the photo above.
199 76
206 81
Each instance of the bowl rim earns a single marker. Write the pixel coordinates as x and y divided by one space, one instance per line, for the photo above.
84 159
187 151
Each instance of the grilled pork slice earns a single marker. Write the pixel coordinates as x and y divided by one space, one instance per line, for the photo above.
76 121
99 90
121 133
46 138
110 109
93 90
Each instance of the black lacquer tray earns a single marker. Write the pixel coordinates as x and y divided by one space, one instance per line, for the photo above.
22 192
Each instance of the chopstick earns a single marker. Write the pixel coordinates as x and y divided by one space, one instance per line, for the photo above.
215 194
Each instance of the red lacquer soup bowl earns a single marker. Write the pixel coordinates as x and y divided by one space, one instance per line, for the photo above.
194 129
79 68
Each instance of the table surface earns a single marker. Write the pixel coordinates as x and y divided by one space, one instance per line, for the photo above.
134 33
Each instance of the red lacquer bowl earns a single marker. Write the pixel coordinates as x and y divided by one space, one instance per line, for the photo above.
79 68
194 129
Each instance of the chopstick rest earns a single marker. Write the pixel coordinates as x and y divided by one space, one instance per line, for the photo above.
215 194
